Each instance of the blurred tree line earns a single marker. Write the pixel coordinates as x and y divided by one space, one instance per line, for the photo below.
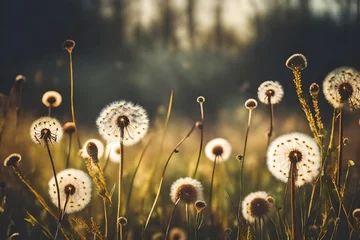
117 57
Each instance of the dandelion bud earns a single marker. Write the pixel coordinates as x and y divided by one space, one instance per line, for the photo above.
200 205
123 221
69 128
176 150
12 160
356 214
251 104
20 78
346 141
69 45
296 62
51 99
239 157
351 163
199 124
200 99
227 231
314 89
270 199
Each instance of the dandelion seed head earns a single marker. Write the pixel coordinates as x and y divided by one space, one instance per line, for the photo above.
92 149
251 104
342 87
12 160
200 99
46 129
296 61
122 114
256 206
177 234
296 148
189 190
219 148
51 99
74 184
270 90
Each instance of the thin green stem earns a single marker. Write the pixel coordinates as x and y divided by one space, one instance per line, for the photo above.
340 143
105 217
171 217
187 217
162 178
271 109
68 152
201 126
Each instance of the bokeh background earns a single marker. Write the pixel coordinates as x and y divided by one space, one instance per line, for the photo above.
140 50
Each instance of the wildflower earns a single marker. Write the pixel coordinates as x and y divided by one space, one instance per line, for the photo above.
75 190
113 152
46 129
295 148
177 234
296 61
121 114
92 148
51 99
257 206
251 104
189 190
12 160
270 91
342 86
218 148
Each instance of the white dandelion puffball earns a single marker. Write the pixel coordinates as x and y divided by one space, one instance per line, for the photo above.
257 206
133 118
74 184
189 190
270 90
298 148
113 151
342 86
85 152
46 129
218 148
51 99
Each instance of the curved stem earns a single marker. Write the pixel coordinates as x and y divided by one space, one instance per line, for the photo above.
162 178
171 216
201 137
72 98
211 191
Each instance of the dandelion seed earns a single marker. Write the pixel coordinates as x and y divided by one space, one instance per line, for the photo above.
75 190
356 214
122 114
46 129
12 160
342 86
296 61
295 148
270 91
257 207
189 190
218 148
92 149
177 234
51 99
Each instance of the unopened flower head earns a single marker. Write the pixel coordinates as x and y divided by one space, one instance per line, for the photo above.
69 128
75 188
12 160
46 129
314 89
177 234
270 91
121 114
51 99
342 86
296 61
296 148
356 214
251 104
200 205
113 151
189 190
92 149
20 78
257 206
218 148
